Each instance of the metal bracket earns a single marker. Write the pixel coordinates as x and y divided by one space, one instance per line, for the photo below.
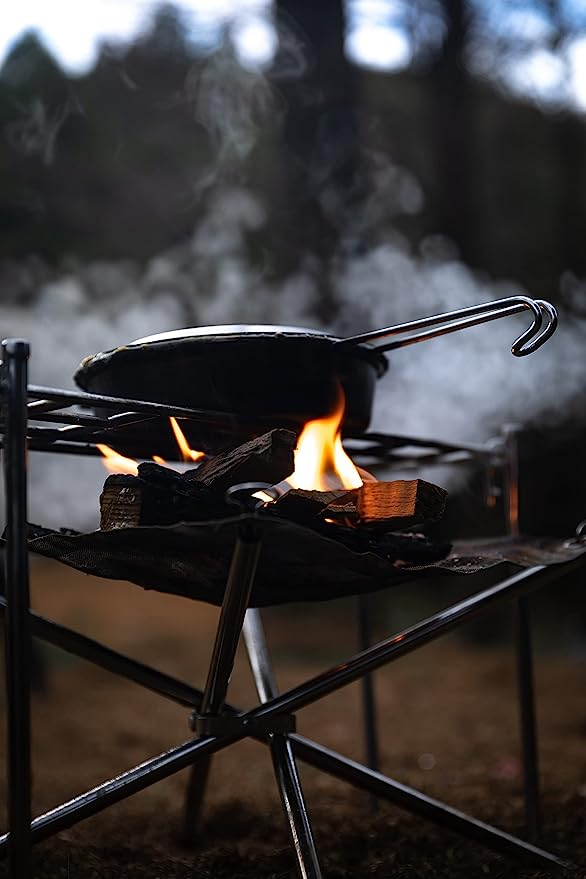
579 538
227 724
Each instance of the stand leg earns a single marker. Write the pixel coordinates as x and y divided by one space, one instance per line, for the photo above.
15 354
527 719
284 762
524 652
367 691
236 596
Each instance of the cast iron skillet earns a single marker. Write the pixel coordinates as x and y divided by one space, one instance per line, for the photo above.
280 376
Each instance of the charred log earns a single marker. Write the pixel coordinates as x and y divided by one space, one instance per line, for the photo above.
157 496
267 458
301 505
364 519
161 496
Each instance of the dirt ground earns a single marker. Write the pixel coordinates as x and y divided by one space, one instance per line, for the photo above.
447 720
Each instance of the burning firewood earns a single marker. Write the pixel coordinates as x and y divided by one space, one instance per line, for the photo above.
401 503
392 505
301 505
267 458
161 496
157 496
363 519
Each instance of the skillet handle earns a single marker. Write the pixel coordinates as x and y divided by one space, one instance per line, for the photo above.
441 324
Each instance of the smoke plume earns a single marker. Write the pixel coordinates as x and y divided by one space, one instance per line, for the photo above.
461 387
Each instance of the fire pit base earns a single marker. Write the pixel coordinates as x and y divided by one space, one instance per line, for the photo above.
296 563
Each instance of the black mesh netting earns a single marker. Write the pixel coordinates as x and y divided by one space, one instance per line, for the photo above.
296 563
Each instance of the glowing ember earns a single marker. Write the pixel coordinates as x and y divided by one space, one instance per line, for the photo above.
187 453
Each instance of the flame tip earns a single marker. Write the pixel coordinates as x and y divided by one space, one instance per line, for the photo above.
117 463
320 460
187 453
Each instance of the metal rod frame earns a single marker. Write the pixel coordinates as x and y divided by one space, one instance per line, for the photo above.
20 623
15 354
284 762
523 652
369 725
181 756
81 431
236 597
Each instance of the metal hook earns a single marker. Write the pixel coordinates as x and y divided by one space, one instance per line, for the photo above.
449 322
519 348
579 538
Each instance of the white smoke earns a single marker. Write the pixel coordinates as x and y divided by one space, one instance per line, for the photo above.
461 387
62 325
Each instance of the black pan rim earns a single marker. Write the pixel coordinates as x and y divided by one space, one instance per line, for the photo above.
95 363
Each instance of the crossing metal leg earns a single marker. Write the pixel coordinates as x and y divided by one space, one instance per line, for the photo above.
524 654
367 691
284 762
236 596
15 354
527 719
262 720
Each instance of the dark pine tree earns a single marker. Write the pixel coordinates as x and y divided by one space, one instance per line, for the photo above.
320 139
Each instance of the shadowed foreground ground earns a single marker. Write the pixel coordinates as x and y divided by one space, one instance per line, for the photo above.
448 726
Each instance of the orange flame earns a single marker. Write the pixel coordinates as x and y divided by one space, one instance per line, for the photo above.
320 460
117 463
187 453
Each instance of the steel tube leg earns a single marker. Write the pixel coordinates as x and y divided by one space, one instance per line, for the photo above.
15 354
367 691
527 719
524 651
236 596
284 762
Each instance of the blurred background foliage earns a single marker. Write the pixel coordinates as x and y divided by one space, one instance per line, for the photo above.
120 162
471 147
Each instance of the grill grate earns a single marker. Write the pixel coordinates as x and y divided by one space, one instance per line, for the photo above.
69 422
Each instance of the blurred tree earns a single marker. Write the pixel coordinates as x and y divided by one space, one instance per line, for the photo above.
465 47
516 40
451 117
320 138
159 59
31 71
120 161
570 138
36 103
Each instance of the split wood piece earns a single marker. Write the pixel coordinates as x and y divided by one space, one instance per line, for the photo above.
392 505
157 496
267 458
120 502
161 496
400 503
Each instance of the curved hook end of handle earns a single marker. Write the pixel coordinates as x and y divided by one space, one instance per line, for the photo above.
522 346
